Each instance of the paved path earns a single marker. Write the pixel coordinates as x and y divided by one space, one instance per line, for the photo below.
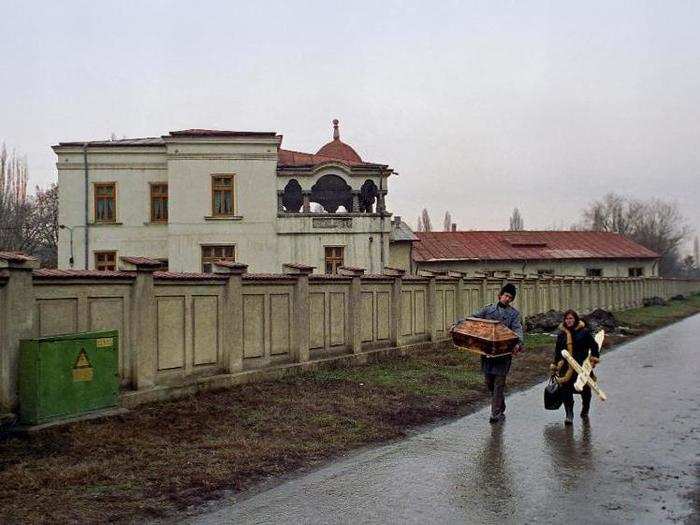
636 462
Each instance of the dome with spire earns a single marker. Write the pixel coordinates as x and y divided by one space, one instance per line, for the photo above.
337 149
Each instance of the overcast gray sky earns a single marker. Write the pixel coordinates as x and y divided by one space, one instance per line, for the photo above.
480 106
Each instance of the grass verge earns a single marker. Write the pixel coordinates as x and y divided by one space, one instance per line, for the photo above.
166 457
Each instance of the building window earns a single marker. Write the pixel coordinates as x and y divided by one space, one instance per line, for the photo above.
216 253
635 272
594 272
545 271
105 261
163 265
105 202
222 195
334 258
159 203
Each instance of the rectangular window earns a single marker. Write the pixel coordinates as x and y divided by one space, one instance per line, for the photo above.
334 258
159 203
594 272
635 272
545 271
222 195
105 261
216 253
105 202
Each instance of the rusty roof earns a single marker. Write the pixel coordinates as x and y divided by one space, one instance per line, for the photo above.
508 245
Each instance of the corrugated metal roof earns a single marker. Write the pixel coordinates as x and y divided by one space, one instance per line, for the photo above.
508 245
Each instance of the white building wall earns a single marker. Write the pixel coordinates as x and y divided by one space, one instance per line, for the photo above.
132 170
573 267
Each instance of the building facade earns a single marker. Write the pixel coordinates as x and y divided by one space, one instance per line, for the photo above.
190 197
505 253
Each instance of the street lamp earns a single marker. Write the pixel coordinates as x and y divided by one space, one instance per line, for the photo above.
64 227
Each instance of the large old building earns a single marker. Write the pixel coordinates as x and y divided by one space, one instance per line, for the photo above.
575 253
193 196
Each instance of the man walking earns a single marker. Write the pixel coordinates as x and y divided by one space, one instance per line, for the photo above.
496 369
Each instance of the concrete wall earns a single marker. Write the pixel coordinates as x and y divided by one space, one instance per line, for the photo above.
183 332
572 267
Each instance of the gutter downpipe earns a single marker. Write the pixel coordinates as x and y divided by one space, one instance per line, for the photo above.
86 190
381 223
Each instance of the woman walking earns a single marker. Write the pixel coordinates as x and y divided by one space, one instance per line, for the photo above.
576 338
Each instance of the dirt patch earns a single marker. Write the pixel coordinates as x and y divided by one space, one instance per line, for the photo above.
166 457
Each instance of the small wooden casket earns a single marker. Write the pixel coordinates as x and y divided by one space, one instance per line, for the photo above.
484 336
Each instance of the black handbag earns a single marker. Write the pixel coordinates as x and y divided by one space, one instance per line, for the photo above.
552 395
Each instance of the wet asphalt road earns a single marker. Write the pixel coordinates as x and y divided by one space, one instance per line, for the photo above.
636 462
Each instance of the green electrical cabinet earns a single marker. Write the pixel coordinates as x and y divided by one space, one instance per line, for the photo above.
67 375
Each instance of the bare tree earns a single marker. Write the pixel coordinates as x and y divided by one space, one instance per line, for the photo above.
447 222
45 225
28 223
14 206
427 224
419 224
516 221
655 224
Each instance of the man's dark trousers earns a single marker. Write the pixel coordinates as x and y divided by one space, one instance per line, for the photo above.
496 385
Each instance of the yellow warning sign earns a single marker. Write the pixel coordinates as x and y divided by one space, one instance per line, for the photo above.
105 342
82 370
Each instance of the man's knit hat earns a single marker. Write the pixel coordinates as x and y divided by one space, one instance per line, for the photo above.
509 289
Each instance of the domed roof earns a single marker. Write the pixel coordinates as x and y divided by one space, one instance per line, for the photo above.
337 149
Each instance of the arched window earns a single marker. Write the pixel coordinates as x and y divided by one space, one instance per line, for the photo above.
368 194
331 192
292 199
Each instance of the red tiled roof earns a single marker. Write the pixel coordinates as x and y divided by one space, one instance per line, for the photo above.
337 149
16 257
142 261
291 158
196 132
46 273
508 245
189 276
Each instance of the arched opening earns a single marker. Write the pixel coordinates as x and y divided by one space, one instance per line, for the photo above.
368 196
331 192
292 199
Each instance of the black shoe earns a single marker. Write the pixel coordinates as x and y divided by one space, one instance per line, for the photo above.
569 419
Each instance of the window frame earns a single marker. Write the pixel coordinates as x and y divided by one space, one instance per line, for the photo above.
635 271
96 198
98 263
334 261
159 196
231 188
545 271
211 259
594 272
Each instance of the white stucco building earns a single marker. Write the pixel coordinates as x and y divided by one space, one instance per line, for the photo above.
192 196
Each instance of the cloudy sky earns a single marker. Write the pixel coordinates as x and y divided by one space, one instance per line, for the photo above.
480 106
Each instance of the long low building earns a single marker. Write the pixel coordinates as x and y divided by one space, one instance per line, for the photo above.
575 253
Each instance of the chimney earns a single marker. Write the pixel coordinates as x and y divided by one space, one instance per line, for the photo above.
454 226
397 220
